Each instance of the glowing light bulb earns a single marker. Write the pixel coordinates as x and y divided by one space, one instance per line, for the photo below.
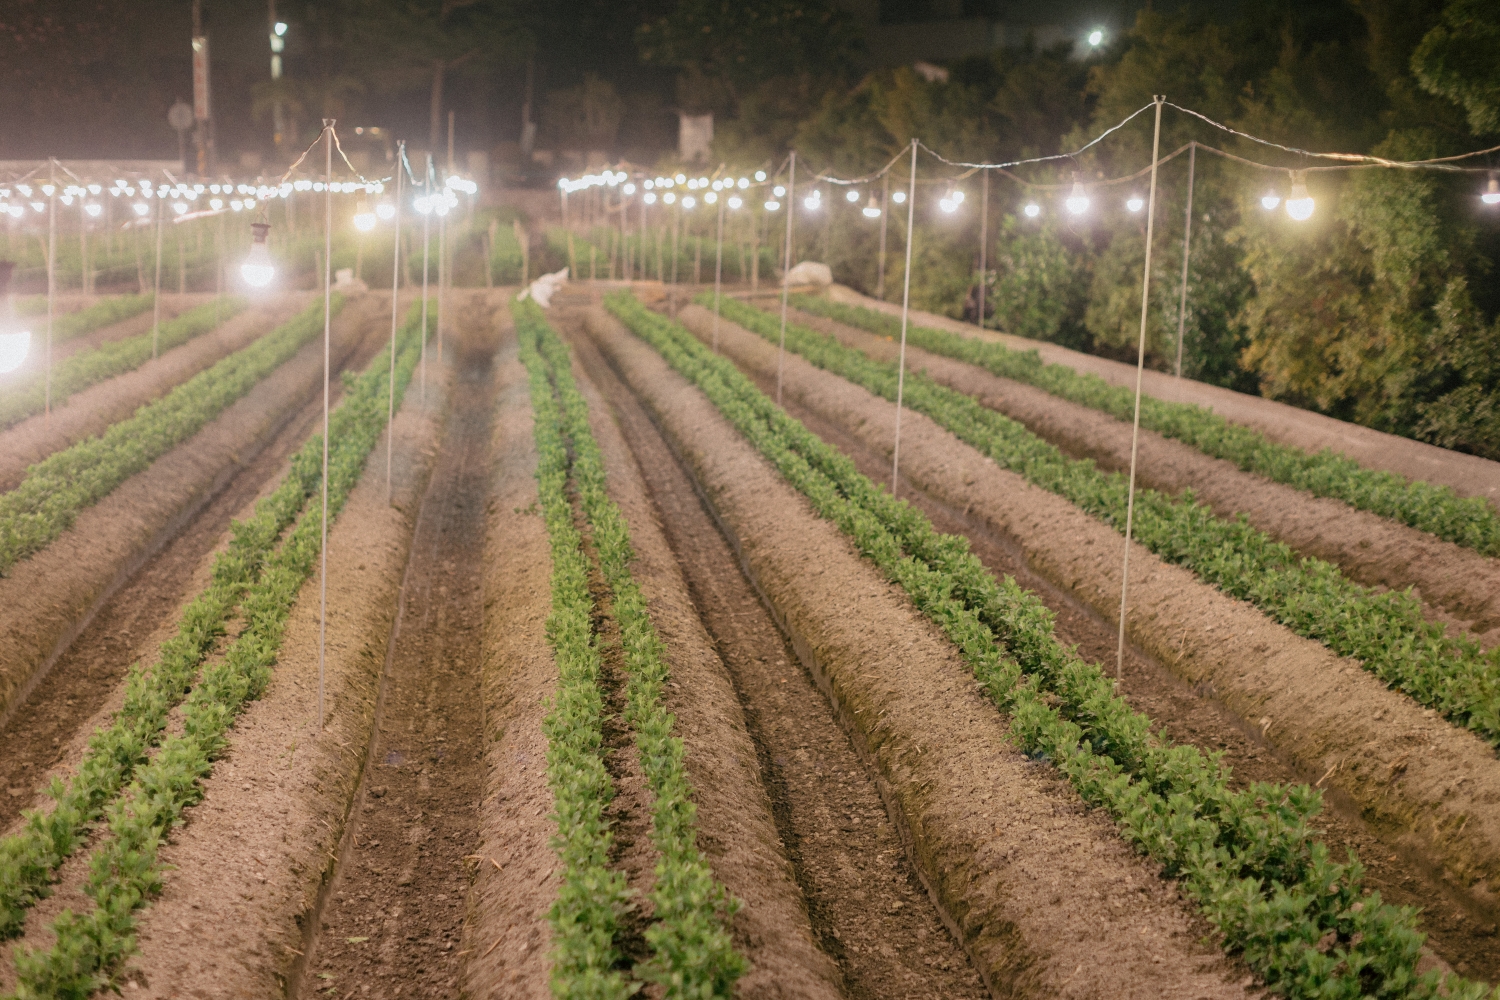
213 203
760 176
13 349
180 207
386 211
948 205
851 196
872 210
423 204
629 189
711 198
772 206
899 197
364 219
1491 194
669 197
141 208
1270 200
681 178
280 29
743 183
778 191
1032 210
735 201
94 209
1077 201
956 196
258 268
689 202
1135 203
237 205
1096 37
1300 205
651 197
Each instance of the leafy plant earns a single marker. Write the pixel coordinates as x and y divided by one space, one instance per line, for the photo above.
1249 858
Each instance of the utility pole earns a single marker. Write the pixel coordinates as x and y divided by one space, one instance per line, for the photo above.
203 135
277 35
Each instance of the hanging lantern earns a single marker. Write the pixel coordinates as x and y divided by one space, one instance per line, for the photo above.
258 268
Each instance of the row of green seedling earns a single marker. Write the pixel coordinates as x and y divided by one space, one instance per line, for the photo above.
111 309
57 488
693 955
124 870
1386 632
79 371
1248 858
1468 521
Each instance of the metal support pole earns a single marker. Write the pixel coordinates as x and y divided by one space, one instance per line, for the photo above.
718 271
911 205
52 286
156 303
786 270
1187 243
442 282
327 337
984 218
426 244
885 215
390 408
1140 367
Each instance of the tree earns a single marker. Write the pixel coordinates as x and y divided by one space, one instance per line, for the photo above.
1457 60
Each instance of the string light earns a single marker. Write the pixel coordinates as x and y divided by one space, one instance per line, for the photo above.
814 201
364 218
13 350
1270 200
1032 210
386 211
1077 201
772 206
743 183
669 197
94 209
1491 194
899 197
851 196
872 210
1300 204
1135 203
778 191
650 197
760 176
735 201
258 268
689 202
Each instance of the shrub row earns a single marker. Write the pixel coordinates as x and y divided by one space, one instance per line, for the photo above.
693 955
1249 859
64 483
1385 631
586 916
78 372
75 324
1468 521
123 871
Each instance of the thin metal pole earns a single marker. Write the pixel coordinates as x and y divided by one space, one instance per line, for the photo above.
1140 367
442 282
51 285
885 215
390 414
911 206
786 268
426 243
327 337
156 301
984 218
1187 243
718 272
624 239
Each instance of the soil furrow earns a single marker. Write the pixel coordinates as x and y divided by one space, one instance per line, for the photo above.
962 492
393 916
864 901
1046 898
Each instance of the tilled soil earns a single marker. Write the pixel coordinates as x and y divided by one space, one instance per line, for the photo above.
1461 928
393 918
867 906
92 410
1046 898
1457 586
1467 475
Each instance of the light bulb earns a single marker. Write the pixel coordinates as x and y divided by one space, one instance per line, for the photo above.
711 198
364 219
280 29
812 202
1032 210
1077 201
1096 37
744 182
689 202
669 197
1300 205
13 350
851 196
872 210
899 197
237 205
651 197
386 211
258 268
180 207
213 203
956 196
772 206
94 209
423 204
735 201
681 178
703 182
778 190
1491 194
629 189
948 205
1270 200
760 176
1135 203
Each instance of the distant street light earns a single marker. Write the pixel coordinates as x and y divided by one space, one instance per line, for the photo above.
180 117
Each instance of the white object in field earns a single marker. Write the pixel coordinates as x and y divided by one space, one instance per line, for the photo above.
810 272
542 288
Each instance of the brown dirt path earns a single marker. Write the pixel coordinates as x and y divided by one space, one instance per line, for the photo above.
1047 899
508 938
1405 781
1467 475
736 830
171 306
1458 586
251 865
394 911
94 409
46 600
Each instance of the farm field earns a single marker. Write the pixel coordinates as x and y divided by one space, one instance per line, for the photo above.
634 681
